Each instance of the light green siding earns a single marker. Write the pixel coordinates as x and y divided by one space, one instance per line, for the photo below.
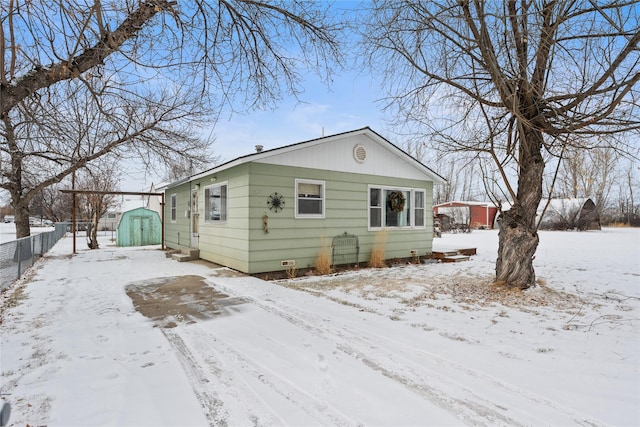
241 242
346 210
177 232
226 242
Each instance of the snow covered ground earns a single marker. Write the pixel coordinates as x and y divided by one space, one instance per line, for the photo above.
432 344
8 231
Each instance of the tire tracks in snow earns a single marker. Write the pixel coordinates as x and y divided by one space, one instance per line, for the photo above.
434 378
199 377
258 373
204 356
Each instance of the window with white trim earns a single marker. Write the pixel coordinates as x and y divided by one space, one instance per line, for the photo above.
391 207
215 203
174 207
418 208
375 207
310 199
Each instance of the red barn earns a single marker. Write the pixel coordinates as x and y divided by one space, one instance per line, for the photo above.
471 214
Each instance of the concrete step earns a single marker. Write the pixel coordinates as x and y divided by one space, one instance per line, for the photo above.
186 255
180 257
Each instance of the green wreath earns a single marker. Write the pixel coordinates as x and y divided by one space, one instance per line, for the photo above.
396 201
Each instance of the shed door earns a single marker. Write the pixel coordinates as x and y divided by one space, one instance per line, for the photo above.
195 216
140 230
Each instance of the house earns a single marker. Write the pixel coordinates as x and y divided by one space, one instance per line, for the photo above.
139 227
470 214
569 214
274 209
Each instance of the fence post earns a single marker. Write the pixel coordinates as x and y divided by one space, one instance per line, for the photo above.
19 251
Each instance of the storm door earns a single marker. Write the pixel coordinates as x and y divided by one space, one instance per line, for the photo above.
195 217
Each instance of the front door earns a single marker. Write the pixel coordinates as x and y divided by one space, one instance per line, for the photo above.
194 219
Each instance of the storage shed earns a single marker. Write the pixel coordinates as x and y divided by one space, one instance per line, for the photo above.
139 227
569 214
471 214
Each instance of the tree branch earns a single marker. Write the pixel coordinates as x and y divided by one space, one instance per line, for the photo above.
39 77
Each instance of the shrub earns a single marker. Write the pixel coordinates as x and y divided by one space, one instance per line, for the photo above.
292 271
323 260
377 253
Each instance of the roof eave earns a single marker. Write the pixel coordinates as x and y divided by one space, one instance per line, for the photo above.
434 176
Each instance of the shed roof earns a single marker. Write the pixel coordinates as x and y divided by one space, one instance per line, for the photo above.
555 205
562 205
455 203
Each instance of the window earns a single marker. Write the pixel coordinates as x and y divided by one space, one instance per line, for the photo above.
216 203
174 207
396 207
309 199
394 217
418 208
375 207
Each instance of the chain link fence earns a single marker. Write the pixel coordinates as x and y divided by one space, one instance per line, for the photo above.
19 255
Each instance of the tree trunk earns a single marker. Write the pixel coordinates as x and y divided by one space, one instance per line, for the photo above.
18 201
517 245
21 213
93 240
518 236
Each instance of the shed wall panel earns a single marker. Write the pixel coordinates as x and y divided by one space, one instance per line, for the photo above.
139 227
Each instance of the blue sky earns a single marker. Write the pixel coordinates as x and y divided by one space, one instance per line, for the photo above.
348 103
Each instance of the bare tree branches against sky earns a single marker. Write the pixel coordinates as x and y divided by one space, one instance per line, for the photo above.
239 55
529 79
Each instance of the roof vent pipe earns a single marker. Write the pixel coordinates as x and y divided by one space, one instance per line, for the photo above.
259 148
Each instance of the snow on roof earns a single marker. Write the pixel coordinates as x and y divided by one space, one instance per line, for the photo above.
128 203
466 203
558 206
562 205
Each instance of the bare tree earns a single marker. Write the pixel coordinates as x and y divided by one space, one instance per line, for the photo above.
51 136
513 80
95 206
250 48
628 208
150 68
588 173
57 206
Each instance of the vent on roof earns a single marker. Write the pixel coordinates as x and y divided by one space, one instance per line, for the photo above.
360 153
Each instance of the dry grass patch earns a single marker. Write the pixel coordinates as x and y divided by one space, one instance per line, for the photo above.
323 260
414 288
377 253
